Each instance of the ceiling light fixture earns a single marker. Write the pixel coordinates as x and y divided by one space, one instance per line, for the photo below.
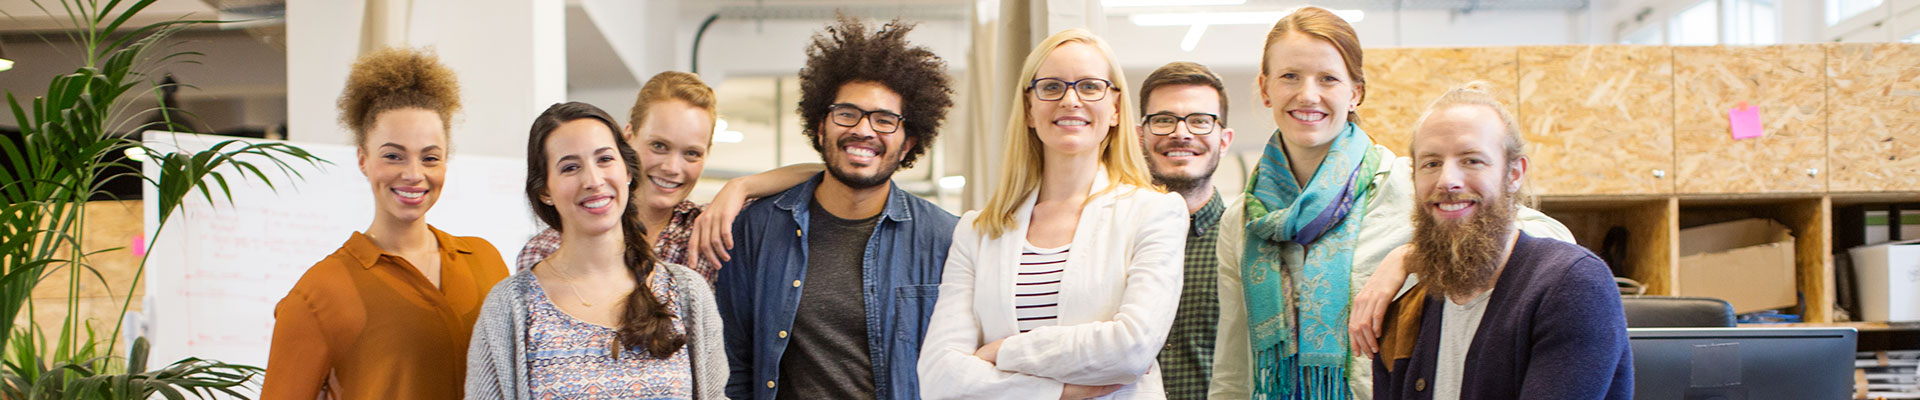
1229 18
1193 37
723 135
5 63
1169 3
953 182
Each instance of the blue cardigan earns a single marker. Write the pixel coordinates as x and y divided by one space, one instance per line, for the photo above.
1553 329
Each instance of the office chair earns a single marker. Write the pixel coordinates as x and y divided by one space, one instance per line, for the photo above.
1677 312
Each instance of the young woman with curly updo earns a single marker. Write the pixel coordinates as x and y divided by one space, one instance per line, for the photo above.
389 315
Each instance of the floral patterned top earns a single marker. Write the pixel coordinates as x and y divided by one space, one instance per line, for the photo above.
572 359
670 246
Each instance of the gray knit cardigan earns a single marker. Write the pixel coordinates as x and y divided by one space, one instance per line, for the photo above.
496 360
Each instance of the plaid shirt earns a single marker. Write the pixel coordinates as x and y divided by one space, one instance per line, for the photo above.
671 247
1188 355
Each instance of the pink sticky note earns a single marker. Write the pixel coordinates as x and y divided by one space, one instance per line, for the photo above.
139 245
1745 120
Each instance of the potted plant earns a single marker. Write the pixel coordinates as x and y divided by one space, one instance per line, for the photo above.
52 168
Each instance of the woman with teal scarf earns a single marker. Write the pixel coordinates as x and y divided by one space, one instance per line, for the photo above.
1322 210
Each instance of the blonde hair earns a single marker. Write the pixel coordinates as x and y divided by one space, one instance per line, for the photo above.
672 85
1120 151
396 78
1479 93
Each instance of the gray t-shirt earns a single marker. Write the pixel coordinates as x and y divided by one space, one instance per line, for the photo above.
1458 323
828 358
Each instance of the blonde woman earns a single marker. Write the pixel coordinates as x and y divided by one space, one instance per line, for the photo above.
1073 217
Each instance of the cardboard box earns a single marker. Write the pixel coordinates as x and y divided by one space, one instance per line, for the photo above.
1888 278
1748 263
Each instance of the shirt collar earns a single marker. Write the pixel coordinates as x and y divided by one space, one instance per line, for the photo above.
365 253
1207 217
796 200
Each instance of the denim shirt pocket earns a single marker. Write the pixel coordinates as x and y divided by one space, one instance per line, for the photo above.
912 311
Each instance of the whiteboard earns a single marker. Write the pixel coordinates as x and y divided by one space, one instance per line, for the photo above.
217 271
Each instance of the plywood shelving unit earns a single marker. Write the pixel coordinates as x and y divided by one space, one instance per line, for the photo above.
1636 137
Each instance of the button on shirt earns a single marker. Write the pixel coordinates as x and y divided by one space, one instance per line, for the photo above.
364 324
1188 355
758 291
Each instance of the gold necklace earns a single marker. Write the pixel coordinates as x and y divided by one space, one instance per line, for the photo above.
577 294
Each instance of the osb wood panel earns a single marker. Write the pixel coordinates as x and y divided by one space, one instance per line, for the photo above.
1786 82
1402 81
108 224
1873 126
1812 225
1653 244
1651 232
1598 119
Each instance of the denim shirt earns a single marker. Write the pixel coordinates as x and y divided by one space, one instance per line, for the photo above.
759 290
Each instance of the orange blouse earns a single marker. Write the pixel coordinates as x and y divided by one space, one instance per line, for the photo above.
364 324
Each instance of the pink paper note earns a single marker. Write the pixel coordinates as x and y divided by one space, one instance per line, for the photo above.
139 245
1745 120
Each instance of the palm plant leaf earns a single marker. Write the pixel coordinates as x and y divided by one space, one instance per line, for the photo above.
67 140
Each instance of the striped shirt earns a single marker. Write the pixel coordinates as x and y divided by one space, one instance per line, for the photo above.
1036 290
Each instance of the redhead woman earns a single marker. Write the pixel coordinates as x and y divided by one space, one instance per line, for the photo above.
1065 284
671 126
1322 211
388 315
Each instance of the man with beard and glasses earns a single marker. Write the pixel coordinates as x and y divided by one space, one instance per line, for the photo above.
1498 314
830 285
1184 133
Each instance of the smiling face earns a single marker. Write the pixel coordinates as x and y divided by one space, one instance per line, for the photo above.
673 144
1464 188
1309 89
1073 125
858 156
404 160
586 177
1460 163
1182 160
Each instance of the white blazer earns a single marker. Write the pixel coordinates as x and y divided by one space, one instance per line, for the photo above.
1118 297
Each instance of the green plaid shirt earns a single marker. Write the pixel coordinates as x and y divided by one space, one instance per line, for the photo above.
1187 358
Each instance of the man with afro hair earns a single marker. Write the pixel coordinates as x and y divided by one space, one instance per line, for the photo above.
831 283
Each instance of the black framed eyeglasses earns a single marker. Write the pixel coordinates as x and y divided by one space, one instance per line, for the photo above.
1164 123
1054 89
848 115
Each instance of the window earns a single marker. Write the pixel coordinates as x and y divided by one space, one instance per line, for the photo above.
1840 10
1912 38
1649 35
1753 22
1697 26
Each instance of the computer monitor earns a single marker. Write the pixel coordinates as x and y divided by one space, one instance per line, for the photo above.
1742 363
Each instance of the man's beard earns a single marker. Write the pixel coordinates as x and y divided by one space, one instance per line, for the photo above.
1174 182
857 181
1460 258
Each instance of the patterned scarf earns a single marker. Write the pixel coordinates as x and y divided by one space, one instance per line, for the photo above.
1308 360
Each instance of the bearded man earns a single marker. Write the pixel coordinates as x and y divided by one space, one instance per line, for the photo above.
1498 314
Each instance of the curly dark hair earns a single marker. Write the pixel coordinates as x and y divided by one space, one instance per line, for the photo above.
846 52
396 78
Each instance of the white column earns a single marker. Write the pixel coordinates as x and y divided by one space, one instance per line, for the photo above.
323 38
510 56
